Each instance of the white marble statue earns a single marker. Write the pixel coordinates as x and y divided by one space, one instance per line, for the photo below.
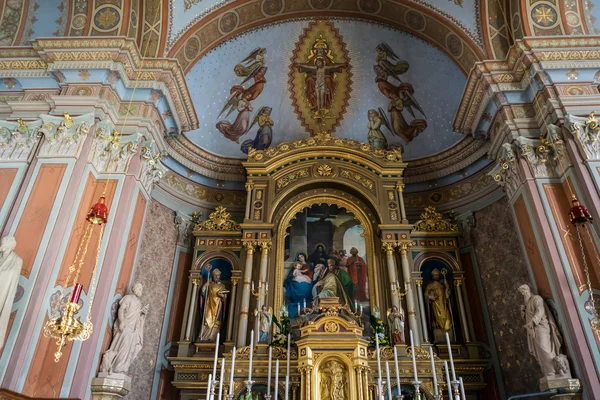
543 338
265 316
128 333
10 270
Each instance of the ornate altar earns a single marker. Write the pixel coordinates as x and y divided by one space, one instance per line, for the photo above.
326 251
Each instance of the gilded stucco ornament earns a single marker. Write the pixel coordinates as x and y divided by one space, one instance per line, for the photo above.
506 172
17 139
432 221
546 156
64 135
321 140
586 132
219 220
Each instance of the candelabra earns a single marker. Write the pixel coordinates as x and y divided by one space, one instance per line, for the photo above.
397 292
213 389
455 389
63 323
262 290
249 383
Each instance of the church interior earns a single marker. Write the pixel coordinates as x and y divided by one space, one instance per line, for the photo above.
299 199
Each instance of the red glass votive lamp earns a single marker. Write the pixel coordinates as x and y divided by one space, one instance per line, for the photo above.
76 293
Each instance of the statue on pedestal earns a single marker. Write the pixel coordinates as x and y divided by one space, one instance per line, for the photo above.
266 318
10 270
396 324
437 295
543 338
214 295
128 333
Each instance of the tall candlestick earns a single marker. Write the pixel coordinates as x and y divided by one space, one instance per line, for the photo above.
289 350
462 389
451 358
221 379
389 382
276 379
435 387
448 384
251 352
397 372
232 370
287 387
214 373
414 361
378 366
208 387
269 371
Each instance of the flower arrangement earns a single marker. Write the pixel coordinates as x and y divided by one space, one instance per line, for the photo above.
378 328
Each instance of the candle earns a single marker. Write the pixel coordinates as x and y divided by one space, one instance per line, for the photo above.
251 352
287 372
397 372
448 379
267 287
451 358
414 361
298 309
361 308
379 388
355 305
276 379
389 383
304 304
287 384
221 379
435 387
214 373
232 369
253 286
76 293
269 371
208 387
462 389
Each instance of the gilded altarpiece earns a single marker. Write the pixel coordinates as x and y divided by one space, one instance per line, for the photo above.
325 244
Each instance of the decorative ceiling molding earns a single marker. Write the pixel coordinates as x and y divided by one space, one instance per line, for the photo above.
241 16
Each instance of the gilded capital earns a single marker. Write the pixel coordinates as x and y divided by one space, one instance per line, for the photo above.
265 246
458 282
388 247
195 281
419 282
249 246
400 187
403 247
249 185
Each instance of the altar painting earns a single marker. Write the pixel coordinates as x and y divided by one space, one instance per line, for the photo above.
325 256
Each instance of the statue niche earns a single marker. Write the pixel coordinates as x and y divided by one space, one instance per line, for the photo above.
438 295
333 381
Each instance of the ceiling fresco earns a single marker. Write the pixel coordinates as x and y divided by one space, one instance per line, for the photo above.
184 13
354 78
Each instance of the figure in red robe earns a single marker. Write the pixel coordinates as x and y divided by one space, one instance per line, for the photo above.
357 269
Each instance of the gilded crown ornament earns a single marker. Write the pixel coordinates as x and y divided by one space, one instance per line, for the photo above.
219 220
432 221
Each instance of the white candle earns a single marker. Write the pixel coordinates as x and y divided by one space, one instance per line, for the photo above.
208 387
289 350
232 370
267 287
435 387
221 379
414 361
462 389
389 382
451 358
253 286
304 304
298 308
397 371
355 305
287 384
378 357
276 379
448 379
269 372
251 353
214 373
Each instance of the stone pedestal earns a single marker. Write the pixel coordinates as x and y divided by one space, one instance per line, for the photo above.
110 386
567 388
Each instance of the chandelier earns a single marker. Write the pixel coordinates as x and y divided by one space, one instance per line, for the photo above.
64 325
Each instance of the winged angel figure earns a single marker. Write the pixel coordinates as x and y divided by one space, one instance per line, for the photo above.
240 98
389 65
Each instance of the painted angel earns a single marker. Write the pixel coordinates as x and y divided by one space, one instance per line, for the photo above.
238 92
249 65
319 83
240 126
264 135
390 62
375 137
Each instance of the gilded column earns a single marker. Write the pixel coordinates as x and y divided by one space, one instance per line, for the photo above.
245 305
400 190
365 377
359 383
234 282
419 283
462 309
410 293
249 188
305 374
192 309
388 247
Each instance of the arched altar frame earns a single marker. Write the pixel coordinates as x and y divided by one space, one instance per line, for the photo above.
426 255
208 255
342 358
330 198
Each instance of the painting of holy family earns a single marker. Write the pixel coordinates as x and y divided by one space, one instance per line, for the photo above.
325 256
